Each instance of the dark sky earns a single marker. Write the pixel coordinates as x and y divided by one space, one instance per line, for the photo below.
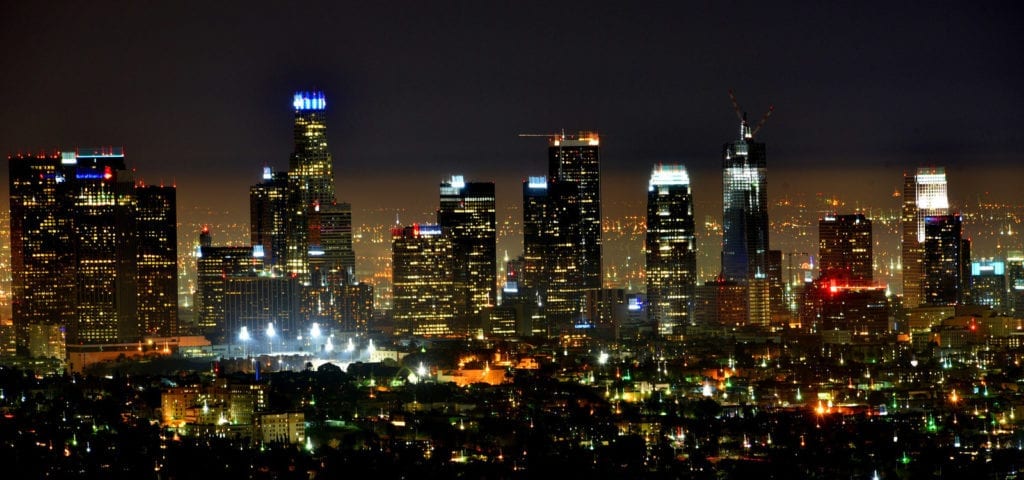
200 92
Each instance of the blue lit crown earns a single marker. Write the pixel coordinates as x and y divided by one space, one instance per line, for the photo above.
314 100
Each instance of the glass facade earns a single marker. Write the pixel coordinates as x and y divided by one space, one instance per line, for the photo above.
310 177
467 215
423 287
91 251
671 249
844 249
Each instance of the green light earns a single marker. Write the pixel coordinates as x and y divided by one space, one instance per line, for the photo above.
905 459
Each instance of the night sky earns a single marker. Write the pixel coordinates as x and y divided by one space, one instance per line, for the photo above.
199 93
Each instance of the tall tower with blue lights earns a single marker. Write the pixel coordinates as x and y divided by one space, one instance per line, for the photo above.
310 177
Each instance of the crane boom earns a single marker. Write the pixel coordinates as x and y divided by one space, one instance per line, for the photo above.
771 108
735 105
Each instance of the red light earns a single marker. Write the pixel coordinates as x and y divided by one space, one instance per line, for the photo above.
107 173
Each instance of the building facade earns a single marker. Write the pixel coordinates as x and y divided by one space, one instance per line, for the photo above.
671 249
467 216
91 250
924 194
422 277
844 249
942 265
310 178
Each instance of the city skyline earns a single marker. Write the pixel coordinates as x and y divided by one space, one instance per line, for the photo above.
873 95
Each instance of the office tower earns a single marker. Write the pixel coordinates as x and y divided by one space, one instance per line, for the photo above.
720 302
844 249
943 253
356 307
310 177
536 218
988 284
924 194
562 230
42 243
214 266
1015 283
268 215
79 239
745 208
830 304
745 221
776 286
256 301
157 259
511 292
671 248
576 161
331 256
331 264
549 265
106 263
422 278
467 216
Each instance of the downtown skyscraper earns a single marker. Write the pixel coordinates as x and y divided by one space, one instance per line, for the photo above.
268 219
745 256
844 253
924 194
467 217
91 251
562 230
945 261
310 178
424 293
671 249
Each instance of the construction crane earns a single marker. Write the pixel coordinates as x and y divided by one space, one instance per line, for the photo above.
742 116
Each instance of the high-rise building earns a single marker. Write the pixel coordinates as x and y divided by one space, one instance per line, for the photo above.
924 194
467 216
942 282
745 221
268 216
422 279
671 248
536 218
90 251
844 249
577 161
988 284
214 266
562 231
551 243
331 256
830 304
745 208
310 177
158 260
1015 283
42 242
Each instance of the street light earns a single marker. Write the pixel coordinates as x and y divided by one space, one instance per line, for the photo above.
314 333
244 337
270 336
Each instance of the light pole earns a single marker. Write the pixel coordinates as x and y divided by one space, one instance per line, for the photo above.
244 337
270 337
314 333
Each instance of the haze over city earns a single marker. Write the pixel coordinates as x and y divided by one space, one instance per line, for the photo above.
198 94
